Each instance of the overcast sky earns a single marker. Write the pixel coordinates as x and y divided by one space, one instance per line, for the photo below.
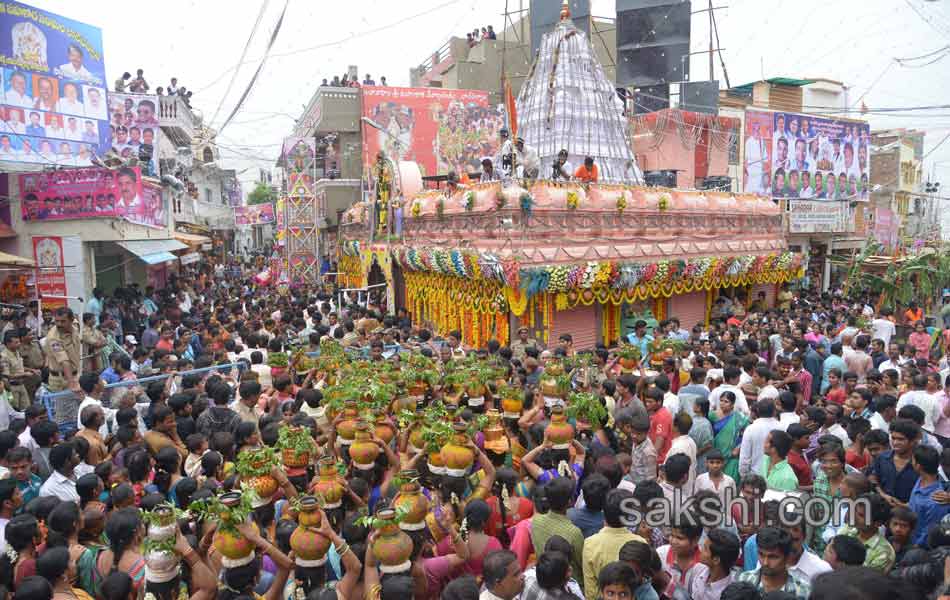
853 41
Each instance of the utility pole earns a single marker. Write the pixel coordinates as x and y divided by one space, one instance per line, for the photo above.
711 50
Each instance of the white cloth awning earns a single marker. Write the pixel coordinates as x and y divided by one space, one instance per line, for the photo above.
153 252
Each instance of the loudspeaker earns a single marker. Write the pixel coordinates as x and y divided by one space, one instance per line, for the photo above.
652 41
664 178
700 96
651 98
722 183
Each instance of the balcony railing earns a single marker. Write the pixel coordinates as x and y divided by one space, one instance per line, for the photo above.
176 119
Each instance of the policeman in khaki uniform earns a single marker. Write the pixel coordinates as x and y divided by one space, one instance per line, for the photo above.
33 359
63 354
519 346
11 363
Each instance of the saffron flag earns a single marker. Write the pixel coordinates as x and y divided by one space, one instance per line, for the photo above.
511 110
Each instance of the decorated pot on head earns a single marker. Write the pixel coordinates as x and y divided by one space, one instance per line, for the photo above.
363 450
235 549
346 429
436 463
309 545
456 454
164 525
383 429
392 547
559 432
416 441
550 387
161 566
411 499
512 402
329 486
496 439
475 391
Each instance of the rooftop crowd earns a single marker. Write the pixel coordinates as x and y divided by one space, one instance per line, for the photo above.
820 395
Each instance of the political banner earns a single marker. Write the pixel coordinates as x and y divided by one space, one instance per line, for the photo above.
51 272
789 155
133 127
256 214
815 216
90 193
440 129
886 227
52 88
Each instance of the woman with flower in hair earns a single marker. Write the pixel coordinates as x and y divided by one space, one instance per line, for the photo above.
18 560
475 519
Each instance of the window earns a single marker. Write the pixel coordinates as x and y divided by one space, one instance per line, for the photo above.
208 197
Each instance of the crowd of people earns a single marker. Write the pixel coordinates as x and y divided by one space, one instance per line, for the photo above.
476 36
819 397
347 81
139 85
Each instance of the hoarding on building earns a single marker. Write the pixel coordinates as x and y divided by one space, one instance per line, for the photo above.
441 130
256 214
815 216
886 227
133 125
91 193
790 155
52 88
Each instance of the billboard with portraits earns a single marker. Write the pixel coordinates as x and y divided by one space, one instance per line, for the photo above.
133 127
255 214
791 155
440 129
52 88
90 193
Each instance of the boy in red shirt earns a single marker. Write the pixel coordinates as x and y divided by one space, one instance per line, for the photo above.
661 423
796 456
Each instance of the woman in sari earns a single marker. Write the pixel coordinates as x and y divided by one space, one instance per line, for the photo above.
728 426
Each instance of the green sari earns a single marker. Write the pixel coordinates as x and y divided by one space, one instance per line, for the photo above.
728 435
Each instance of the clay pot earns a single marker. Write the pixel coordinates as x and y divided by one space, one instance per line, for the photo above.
416 442
160 561
628 364
328 483
392 548
345 429
165 527
363 451
512 407
384 430
559 431
494 430
436 464
457 456
308 544
293 459
410 498
265 485
476 394
309 513
232 545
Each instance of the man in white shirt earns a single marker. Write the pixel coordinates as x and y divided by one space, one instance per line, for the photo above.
922 399
756 155
753 440
17 95
93 386
883 328
809 565
61 483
